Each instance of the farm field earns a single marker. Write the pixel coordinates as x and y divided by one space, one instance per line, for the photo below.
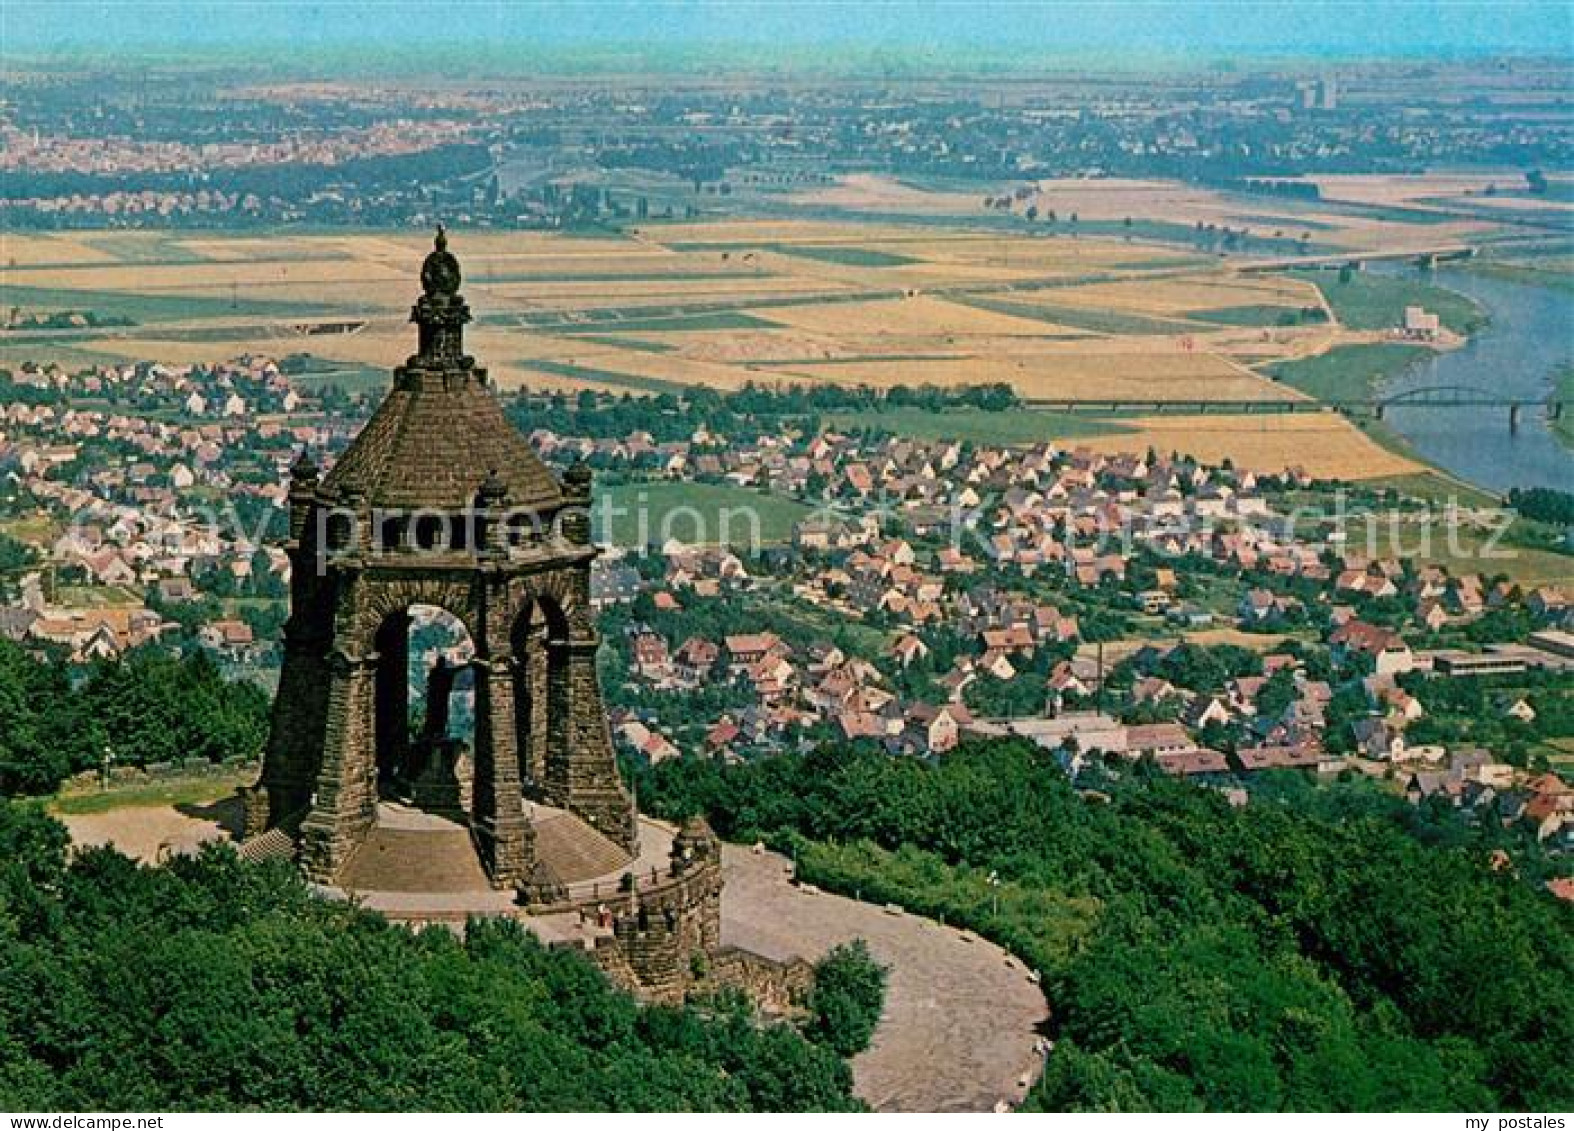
1354 214
1324 444
1180 297
925 292
634 515
1374 302
1046 313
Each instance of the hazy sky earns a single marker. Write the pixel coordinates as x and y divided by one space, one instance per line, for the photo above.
1240 27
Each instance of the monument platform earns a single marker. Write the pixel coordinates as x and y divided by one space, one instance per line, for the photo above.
420 867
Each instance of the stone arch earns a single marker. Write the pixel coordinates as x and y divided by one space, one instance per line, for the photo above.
402 754
383 598
536 637
540 611
545 597
569 591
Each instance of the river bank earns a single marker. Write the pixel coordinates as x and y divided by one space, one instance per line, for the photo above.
1527 343
1521 341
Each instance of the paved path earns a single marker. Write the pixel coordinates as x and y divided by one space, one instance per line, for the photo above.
151 832
959 1027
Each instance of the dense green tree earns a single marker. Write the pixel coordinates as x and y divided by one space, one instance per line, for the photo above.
1204 667
1277 693
1327 948
213 984
848 995
148 707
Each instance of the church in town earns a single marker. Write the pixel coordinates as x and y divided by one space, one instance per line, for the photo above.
439 510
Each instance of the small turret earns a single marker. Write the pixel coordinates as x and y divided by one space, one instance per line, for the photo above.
695 845
576 480
490 499
303 489
575 520
304 469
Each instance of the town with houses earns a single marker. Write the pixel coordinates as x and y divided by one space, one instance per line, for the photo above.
166 149
1122 610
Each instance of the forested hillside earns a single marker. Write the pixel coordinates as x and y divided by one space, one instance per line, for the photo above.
150 707
1315 949
212 984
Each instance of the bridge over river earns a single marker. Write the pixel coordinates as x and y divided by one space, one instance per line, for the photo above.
1430 397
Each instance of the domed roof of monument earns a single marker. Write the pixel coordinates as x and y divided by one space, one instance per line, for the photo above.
440 433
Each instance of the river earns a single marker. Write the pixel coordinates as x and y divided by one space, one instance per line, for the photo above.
1531 335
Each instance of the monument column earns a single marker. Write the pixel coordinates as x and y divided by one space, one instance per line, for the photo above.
284 790
345 804
533 666
591 786
505 838
556 705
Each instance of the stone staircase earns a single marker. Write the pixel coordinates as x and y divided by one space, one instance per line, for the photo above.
434 858
275 844
575 851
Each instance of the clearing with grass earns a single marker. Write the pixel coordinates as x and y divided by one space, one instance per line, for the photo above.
646 513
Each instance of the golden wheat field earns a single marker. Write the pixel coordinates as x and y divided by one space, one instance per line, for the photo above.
1113 200
38 249
1178 297
920 315
866 191
731 302
719 303
1324 444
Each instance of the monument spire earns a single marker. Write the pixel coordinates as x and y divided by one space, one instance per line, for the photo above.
441 312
